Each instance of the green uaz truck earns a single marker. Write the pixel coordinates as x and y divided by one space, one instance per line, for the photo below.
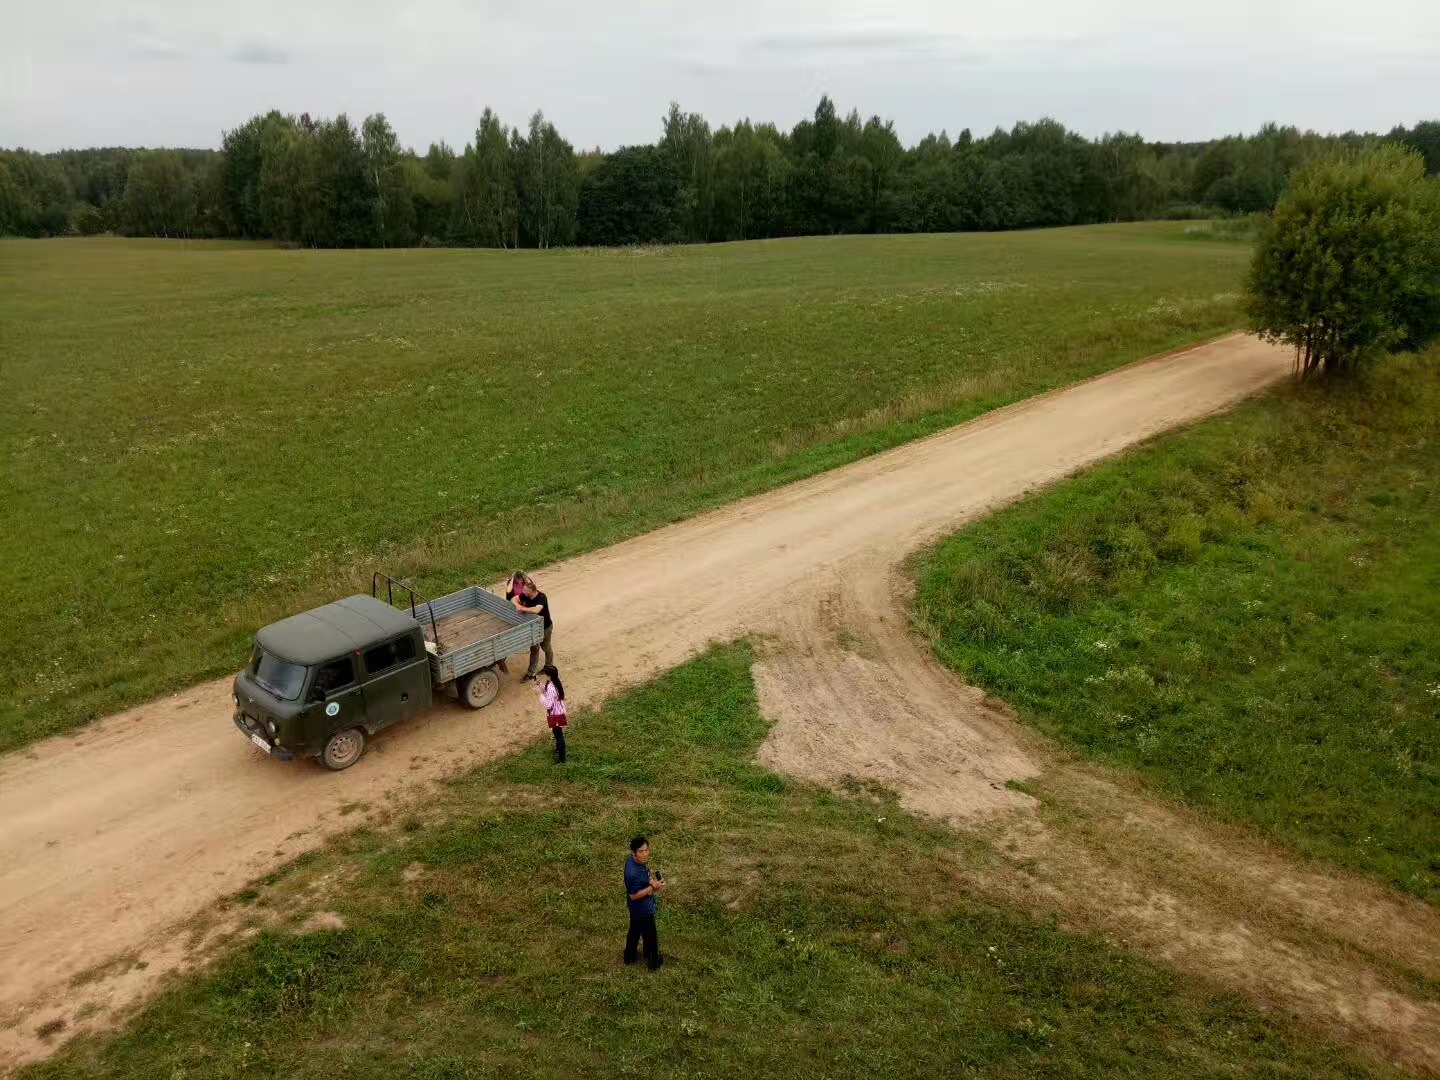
319 684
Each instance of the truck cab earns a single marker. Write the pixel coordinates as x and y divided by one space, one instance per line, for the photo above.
319 684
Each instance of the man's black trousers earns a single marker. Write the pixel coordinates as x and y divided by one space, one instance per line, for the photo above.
643 926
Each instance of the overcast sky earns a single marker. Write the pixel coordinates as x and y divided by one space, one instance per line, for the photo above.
103 73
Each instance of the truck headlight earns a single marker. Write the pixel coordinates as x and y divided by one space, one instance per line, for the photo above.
271 725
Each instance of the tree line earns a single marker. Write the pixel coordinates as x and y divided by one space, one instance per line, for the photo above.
326 183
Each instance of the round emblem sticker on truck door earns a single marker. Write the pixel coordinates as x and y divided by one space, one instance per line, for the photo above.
333 709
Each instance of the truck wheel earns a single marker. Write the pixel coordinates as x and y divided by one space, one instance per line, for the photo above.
479 688
343 749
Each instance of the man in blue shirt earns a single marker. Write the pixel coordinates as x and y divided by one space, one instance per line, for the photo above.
642 887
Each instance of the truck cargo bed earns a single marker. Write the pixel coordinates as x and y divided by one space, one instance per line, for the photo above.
475 628
469 626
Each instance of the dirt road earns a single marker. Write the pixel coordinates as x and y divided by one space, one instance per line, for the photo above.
112 839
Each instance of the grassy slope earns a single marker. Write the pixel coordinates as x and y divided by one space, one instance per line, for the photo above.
1247 612
200 438
807 935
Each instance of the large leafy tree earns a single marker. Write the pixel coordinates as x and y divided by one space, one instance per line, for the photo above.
393 213
835 185
632 196
930 188
486 207
276 195
1350 262
429 182
1119 162
159 196
243 151
13 209
1424 138
688 143
750 176
35 195
879 147
347 198
439 160
547 181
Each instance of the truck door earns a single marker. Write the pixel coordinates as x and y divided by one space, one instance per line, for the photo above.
397 681
336 685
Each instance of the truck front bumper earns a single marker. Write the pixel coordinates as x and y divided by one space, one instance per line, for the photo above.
260 742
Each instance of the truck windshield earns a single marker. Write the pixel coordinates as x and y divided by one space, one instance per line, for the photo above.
282 679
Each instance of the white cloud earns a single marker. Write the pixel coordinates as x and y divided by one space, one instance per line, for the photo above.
102 72
258 52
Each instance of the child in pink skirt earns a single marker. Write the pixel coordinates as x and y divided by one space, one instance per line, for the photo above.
552 696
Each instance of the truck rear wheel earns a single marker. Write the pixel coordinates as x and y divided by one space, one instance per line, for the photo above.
479 688
343 749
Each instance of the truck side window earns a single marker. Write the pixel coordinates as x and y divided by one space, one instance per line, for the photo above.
332 676
383 657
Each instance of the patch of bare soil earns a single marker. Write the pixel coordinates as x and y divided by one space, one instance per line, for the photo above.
322 920
855 695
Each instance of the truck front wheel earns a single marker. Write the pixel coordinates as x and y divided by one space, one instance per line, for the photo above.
343 749
479 688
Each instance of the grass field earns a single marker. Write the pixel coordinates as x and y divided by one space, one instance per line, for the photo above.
1246 612
199 438
806 934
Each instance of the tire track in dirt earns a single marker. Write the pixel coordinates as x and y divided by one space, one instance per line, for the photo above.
117 842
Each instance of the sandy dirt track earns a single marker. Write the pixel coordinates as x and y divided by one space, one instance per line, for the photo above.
113 839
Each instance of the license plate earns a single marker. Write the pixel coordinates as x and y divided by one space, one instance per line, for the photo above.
258 741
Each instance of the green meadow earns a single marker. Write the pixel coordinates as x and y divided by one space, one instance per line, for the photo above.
201 437
1246 613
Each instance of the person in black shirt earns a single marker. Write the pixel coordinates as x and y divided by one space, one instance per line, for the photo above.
514 589
534 602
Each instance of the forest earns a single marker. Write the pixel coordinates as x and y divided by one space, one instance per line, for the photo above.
327 183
